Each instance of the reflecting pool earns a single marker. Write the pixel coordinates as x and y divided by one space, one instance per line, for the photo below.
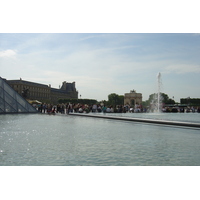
66 140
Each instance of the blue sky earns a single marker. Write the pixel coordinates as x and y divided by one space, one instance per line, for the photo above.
105 63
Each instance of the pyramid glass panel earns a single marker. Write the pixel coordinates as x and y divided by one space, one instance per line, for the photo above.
1 92
7 89
9 100
21 109
9 108
12 102
1 105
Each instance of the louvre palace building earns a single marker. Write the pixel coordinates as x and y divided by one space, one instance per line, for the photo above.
43 93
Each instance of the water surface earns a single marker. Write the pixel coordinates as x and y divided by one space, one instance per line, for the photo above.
43 140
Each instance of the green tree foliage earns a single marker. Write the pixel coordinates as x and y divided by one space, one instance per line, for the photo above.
115 99
164 98
75 101
191 101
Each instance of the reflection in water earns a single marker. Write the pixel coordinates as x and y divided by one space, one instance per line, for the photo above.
71 140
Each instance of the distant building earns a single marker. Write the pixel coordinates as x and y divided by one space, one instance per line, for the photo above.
44 93
133 98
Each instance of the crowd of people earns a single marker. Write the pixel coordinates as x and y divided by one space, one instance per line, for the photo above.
181 109
85 108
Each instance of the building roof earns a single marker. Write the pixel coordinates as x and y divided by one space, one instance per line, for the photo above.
27 82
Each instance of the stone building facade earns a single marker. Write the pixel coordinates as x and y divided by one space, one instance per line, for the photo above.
133 98
44 93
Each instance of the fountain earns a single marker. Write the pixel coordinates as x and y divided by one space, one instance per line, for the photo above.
159 99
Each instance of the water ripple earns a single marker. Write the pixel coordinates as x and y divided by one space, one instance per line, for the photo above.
67 140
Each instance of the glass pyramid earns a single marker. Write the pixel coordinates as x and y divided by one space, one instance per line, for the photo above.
12 102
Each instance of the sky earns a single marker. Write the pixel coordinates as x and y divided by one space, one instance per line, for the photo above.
105 63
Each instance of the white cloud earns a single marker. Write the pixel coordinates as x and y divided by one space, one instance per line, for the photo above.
182 69
91 37
8 53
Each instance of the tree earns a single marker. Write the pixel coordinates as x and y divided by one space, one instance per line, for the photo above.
115 99
82 101
164 99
